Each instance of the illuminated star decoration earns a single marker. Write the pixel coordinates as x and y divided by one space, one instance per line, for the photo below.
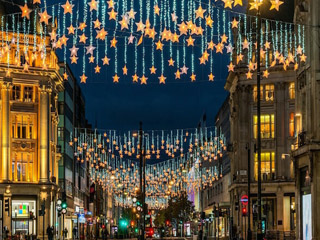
162 79
44 17
83 78
25 11
116 78
67 7
275 4
211 77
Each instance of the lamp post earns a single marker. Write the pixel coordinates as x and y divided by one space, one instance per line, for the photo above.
43 196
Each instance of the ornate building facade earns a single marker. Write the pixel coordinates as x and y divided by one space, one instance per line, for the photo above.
306 147
277 131
30 82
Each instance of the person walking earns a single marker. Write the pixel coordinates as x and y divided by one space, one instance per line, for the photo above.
50 232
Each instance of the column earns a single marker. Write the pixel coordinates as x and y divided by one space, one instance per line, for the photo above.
44 134
5 135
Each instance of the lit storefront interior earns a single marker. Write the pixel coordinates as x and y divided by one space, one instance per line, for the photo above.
21 222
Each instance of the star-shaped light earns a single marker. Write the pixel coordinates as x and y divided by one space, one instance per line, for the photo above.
140 26
266 73
140 40
211 77
296 66
90 49
156 10
97 23
255 4
130 39
105 60
219 48
82 26
159 45
183 28
174 17
74 60
171 62
209 21
83 78
113 42
65 76
112 15
205 55
202 61
239 58
97 69
211 45
299 50
70 29
228 3
93 5
110 4
224 38
245 44
143 79
64 40
131 14
125 70
230 67
115 78
44 17
135 78
25 11
249 75
234 23
237 2
153 70
199 12
267 45
53 35
184 69
36 1
91 59
190 41
229 48
25 67
275 4
73 51
162 79
177 74
303 58
101 34
193 77
67 7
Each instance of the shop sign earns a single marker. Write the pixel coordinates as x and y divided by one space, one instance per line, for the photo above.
244 200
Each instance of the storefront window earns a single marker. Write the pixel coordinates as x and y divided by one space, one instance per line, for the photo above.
255 93
291 125
21 222
292 91
269 92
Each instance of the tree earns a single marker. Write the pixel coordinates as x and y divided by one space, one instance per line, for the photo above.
179 209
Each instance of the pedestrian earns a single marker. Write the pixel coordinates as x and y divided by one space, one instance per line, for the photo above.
65 232
50 232
74 232
5 232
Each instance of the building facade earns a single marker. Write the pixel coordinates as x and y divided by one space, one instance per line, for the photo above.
277 133
306 147
30 82
216 198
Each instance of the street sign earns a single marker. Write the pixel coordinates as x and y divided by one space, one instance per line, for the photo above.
244 200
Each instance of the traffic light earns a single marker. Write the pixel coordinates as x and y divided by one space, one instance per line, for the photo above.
123 223
6 205
244 211
136 230
167 222
132 223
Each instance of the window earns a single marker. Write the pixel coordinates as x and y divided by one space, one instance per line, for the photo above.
16 92
23 126
22 167
267 165
291 125
269 89
28 94
267 126
292 90
255 93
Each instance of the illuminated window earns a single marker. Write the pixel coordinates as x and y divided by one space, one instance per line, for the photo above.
16 92
267 126
22 166
269 90
267 165
292 91
28 94
255 93
23 126
291 125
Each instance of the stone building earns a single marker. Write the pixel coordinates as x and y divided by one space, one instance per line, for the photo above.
306 147
277 132
30 82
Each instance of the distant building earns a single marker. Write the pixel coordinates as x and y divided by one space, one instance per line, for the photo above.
216 196
73 174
